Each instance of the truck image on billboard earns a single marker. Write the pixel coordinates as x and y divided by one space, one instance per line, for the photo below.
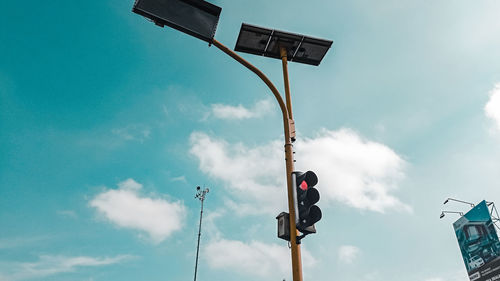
479 244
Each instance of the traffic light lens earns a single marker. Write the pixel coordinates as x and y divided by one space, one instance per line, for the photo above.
312 196
314 214
303 185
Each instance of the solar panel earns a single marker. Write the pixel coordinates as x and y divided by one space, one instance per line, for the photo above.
194 17
267 42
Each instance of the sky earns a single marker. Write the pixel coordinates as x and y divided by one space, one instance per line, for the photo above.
108 123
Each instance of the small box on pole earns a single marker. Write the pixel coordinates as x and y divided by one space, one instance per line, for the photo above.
284 226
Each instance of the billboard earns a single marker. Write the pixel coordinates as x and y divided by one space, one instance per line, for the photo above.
479 244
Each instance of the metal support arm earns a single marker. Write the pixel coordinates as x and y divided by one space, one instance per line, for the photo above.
289 130
264 78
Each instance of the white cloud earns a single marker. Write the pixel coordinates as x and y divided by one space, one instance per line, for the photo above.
125 207
14 242
223 111
355 171
116 137
255 258
492 108
247 172
133 132
347 253
209 225
179 178
351 170
51 265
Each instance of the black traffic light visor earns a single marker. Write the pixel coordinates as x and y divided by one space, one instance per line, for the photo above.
309 177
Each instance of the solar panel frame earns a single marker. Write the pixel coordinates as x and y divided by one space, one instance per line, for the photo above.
197 18
267 42
246 47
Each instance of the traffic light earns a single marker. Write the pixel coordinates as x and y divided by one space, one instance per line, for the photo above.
306 213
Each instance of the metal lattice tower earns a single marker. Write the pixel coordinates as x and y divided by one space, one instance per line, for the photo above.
200 195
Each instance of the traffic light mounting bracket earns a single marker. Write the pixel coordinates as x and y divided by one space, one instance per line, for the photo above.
294 184
303 236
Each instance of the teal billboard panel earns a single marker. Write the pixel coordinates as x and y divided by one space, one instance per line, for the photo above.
479 244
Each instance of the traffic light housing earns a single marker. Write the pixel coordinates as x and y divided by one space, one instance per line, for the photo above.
306 196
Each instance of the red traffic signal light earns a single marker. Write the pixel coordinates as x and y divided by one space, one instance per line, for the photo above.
306 196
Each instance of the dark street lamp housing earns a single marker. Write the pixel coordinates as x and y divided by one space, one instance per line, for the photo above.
267 42
197 18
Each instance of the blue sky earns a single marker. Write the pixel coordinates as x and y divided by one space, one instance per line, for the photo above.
108 123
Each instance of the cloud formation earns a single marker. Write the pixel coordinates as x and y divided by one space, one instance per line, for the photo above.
351 170
52 265
126 208
254 258
14 242
492 108
260 109
347 253
242 170
133 132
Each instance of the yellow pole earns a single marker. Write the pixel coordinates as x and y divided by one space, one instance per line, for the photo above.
296 254
289 130
284 63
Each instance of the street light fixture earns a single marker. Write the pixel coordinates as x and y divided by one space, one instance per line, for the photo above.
199 18
459 201
450 212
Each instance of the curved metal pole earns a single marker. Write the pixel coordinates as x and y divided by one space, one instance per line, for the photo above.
289 128
266 80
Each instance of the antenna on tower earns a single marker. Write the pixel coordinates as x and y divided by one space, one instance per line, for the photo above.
200 195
